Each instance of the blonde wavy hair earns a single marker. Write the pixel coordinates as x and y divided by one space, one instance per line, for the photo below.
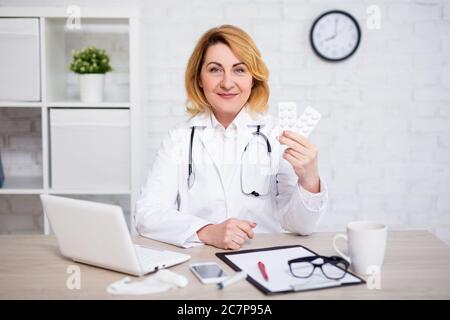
242 45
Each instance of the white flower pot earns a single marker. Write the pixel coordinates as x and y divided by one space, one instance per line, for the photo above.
91 87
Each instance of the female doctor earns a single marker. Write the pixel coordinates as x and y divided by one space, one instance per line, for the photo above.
205 186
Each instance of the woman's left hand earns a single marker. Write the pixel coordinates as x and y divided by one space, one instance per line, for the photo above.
302 155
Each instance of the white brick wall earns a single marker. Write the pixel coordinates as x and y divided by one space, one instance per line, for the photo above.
384 140
20 130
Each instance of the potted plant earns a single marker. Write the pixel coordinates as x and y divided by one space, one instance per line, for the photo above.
91 64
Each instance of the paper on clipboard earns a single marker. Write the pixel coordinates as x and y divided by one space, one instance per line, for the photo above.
280 279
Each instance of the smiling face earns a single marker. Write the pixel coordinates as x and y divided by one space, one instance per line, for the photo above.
226 82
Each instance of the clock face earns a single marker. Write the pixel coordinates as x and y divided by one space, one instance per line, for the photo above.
335 35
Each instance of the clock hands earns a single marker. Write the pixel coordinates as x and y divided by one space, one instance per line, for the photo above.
335 30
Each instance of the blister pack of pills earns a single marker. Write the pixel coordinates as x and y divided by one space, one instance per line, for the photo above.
307 121
287 113
304 125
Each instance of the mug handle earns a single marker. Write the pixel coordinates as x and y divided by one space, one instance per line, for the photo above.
343 236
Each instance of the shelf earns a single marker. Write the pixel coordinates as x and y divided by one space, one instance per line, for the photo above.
33 185
21 150
78 104
104 33
22 185
87 191
25 135
61 12
24 104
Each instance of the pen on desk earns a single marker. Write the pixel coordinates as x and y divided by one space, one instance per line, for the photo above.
262 268
237 277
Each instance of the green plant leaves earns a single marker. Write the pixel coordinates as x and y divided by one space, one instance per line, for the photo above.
90 60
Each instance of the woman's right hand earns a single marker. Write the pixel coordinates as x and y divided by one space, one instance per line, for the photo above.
230 234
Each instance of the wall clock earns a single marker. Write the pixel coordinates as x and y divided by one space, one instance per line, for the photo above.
335 35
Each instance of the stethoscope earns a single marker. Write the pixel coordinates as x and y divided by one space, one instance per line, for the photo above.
191 174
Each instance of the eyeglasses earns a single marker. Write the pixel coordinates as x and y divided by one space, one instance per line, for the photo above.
333 268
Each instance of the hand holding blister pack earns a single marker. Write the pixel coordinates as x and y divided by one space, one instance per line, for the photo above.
303 125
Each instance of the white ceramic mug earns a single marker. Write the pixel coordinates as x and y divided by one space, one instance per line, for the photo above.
366 242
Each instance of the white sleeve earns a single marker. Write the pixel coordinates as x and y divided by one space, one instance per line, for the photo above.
157 215
314 201
299 211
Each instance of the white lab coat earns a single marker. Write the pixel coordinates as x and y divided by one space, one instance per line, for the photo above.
167 210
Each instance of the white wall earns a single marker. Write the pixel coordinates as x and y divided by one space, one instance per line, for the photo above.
384 140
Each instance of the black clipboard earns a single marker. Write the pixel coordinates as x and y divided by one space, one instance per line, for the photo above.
223 256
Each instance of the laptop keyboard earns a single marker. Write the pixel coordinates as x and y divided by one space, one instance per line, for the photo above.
150 257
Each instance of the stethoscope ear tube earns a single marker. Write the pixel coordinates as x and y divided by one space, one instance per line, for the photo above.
190 154
269 147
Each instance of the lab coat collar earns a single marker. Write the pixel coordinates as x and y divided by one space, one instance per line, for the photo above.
245 118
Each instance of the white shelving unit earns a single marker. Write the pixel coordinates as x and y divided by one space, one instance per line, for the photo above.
53 39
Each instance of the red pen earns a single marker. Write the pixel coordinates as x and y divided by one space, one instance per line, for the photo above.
262 268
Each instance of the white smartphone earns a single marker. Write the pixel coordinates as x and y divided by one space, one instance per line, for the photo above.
208 272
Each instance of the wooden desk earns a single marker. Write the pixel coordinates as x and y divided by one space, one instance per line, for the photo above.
417 266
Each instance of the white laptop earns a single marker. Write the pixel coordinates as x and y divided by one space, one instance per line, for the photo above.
97 234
